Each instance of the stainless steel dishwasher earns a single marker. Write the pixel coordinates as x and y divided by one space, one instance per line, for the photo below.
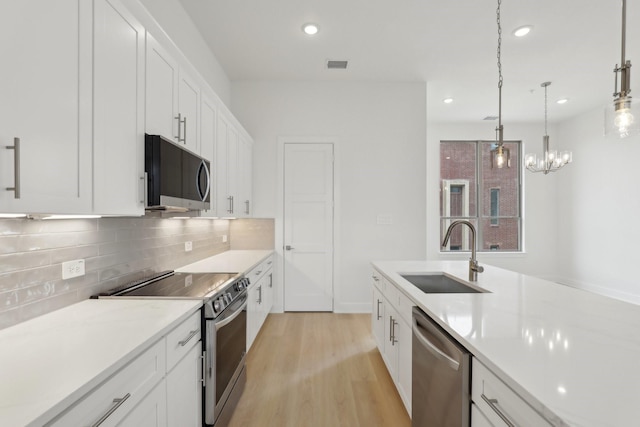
441 376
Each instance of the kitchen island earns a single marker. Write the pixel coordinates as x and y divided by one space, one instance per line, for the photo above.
570 354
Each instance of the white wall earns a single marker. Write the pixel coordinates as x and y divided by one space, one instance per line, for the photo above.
177 24
598 205
380 133
539 258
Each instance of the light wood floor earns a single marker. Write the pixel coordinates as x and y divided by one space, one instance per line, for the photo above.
318 370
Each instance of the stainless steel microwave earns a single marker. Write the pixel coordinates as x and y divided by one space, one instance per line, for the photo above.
176 179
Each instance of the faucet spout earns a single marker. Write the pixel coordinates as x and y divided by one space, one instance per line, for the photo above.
474 267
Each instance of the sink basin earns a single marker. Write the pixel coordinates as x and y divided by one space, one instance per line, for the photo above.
438 283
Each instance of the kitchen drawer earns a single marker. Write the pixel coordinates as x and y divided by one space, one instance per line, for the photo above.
391 293
260 270
504 400
378 281
405 307
118 395
182 338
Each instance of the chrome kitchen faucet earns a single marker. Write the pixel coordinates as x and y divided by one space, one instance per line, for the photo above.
474 268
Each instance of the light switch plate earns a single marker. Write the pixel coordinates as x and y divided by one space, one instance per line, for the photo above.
188 246
71 269
224 238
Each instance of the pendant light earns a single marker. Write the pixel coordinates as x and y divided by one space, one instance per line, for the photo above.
550 161
619 117
500 156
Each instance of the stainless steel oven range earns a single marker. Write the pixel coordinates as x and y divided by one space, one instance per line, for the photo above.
224 329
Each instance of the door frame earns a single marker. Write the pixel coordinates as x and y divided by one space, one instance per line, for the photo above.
278 304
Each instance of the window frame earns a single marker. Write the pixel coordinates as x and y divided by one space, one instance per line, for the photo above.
479 216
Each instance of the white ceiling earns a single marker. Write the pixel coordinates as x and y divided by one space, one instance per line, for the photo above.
450 44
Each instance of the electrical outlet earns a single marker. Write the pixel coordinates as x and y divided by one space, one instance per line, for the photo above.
72 269
224 238
188 246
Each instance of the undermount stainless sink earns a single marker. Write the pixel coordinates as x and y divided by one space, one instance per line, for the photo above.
439 283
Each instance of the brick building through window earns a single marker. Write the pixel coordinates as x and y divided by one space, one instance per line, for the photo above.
488 197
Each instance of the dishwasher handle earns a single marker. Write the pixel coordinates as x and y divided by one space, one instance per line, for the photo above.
454 364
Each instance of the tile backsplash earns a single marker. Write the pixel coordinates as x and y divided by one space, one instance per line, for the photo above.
115 250
252 233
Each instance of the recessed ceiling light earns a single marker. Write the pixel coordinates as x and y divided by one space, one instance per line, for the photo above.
522 31
562 100
447 100
310 29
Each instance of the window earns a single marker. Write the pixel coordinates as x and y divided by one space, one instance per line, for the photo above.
489 198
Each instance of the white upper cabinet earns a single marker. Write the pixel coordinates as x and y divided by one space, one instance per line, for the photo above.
162 91
45 84
245 166
189 112
172 98
208 118
118 145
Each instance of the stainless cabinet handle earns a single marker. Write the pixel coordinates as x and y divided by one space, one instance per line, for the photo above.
230 199
271 280
204 366
378 315
16 167
117 403
493 404
184 130
259 294
288 248
179 119
259 272
142 191
187 339
393 331
270 262
375 277
246 202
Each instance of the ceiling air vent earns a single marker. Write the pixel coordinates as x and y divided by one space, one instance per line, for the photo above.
337 65
491 118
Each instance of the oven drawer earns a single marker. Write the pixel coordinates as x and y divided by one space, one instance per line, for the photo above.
182 339
112 400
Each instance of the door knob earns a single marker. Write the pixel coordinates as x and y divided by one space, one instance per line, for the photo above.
288 248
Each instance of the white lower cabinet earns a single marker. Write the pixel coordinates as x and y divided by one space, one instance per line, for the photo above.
161 387
393 334
260 295
184 390
498 405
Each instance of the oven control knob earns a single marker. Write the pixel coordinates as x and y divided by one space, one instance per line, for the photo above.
227 297
222 302
216 306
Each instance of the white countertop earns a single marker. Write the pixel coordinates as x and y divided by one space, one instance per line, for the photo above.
47 363
573 355
236 261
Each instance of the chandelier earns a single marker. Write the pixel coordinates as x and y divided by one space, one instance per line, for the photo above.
550 161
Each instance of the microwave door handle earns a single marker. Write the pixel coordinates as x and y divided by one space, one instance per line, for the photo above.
203 167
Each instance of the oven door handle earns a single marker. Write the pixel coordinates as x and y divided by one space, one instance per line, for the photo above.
230 319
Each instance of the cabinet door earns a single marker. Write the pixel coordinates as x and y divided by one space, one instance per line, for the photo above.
232 171
404 345
252 314
150 412
378 319
161 92
189 109
118 144
245 160
208 147
45 48
391 340
184 391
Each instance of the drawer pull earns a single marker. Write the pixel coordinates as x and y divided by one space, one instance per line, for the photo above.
187 339
117 403
493 403
259 272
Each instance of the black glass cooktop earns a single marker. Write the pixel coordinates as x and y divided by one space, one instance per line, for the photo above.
178 285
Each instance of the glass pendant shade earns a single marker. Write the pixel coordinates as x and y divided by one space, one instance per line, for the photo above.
622 118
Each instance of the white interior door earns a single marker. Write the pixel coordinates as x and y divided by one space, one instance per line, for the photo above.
308 227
